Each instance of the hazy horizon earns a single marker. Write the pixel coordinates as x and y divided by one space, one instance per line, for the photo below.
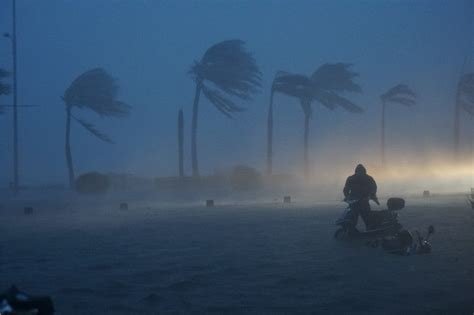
150 45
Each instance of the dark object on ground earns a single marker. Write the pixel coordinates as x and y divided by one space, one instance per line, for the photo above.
209 203
381 223
471 201
472 193
424 244
403 243
245 178
426 193
92 183
395 204
13 301
399 244
27 211
124 206
287 199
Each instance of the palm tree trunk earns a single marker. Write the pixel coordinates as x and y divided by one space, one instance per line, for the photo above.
306 137
180 143
457 127
194 156
270 136
383 133
68 148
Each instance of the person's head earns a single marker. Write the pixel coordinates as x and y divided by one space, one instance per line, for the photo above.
360 170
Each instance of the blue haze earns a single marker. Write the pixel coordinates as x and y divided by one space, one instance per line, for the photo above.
149 46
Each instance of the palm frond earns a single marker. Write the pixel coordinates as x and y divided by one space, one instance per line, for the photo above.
468 107
223 104
296 85
230 67
466 92
337 77
402 100
93 130
466 82
96 90
397 92
467 99
331 100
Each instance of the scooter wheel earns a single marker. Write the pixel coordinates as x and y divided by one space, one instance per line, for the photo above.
341 234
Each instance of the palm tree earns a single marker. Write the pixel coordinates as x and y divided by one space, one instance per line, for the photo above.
324 86
226 69
329 84
97 91
290 84
399 94
464 102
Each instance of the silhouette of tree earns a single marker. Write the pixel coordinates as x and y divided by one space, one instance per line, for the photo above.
399 94
97 91
329 84
464 104
226 69
325 86
295 85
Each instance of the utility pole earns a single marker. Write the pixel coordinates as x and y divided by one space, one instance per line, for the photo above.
15 107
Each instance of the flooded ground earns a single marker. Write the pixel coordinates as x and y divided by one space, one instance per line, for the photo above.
270 258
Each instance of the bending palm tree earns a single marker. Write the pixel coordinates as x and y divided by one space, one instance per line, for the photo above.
290 84
400 94
225 68
328 85
324 86
464 102
95 90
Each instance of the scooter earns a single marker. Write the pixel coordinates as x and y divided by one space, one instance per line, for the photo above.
383 222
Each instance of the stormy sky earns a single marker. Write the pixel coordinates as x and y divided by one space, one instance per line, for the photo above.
149 45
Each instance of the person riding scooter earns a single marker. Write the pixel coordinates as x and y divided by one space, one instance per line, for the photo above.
363 188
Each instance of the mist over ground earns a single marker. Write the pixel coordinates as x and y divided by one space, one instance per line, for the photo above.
150 45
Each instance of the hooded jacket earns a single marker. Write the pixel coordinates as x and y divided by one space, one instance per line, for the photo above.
360 185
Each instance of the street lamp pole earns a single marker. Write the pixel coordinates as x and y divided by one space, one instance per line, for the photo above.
15 107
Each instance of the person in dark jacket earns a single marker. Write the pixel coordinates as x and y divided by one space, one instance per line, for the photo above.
362 187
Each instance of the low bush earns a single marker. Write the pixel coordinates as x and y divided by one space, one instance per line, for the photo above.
245 178
92 183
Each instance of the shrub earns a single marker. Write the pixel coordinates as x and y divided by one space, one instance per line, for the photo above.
245 178
92 183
